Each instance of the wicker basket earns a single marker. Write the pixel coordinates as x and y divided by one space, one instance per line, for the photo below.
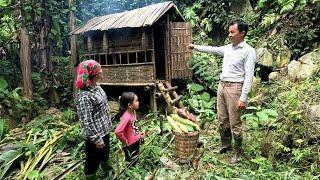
186 145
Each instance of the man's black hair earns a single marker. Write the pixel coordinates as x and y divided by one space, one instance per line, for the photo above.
242 26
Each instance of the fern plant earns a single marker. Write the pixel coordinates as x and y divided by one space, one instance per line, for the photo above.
206 69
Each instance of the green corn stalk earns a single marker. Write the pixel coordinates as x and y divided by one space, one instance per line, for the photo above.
44 154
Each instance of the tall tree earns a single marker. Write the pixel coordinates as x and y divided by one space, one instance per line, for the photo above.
73 44
25 55
240 6
46 66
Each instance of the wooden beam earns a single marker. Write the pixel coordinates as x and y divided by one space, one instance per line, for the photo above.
174 93
176 100
127 84
171 89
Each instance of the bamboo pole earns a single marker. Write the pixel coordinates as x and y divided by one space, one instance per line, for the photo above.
174 93
166 96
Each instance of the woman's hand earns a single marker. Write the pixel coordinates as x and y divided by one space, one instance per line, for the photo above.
100 145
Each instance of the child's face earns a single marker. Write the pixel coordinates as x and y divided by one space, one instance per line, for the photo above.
135 103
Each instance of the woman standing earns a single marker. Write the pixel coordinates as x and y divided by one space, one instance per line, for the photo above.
93 112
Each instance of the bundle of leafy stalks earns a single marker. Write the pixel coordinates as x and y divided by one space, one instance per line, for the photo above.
182 121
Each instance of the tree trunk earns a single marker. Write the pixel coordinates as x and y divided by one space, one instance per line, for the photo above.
240 6
46 66
74 52
25 61
25 56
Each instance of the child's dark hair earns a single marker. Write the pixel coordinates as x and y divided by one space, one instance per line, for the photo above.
125 99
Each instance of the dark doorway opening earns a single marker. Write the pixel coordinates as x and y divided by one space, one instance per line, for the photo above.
159 50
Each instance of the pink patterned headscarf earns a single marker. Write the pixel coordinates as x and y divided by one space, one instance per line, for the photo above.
86 70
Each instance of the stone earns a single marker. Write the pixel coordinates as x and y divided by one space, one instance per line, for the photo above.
283 58
273 76
264 57
294 69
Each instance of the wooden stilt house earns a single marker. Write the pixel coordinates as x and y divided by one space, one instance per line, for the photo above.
139 47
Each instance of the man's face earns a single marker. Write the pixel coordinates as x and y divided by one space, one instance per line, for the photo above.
235 36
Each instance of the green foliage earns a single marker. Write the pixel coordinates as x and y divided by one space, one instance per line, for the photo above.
209 18
34 174
259 117
4 3
62 75
269 19
69 115
286 135
207 69
201 102
14 105
7 159
295 21
3 127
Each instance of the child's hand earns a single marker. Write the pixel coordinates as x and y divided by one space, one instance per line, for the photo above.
100 144
142 134
124 142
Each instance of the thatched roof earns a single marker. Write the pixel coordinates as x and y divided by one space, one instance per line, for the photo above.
140 17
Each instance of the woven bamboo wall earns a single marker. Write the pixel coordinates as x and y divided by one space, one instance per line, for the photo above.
140 73
180 37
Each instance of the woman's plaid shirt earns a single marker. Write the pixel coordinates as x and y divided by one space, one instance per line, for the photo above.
93 112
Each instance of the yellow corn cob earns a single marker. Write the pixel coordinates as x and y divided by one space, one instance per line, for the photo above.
173 124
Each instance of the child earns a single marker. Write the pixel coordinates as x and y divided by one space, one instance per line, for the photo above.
126 131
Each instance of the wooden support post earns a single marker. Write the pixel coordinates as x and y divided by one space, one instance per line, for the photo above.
153 101
169 89
89 43
143 39
128 58
105 41
176 100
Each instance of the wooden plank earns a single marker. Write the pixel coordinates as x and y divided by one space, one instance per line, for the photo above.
126 84
132 64
153 57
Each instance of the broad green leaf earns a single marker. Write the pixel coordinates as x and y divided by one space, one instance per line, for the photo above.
3 84
208 105
9 155
246 115
261 3
205 96
33 174
3 3
262 116
271 112
29 146
195 87
287 8
252 108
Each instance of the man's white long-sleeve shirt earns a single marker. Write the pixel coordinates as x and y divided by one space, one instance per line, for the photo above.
238 64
